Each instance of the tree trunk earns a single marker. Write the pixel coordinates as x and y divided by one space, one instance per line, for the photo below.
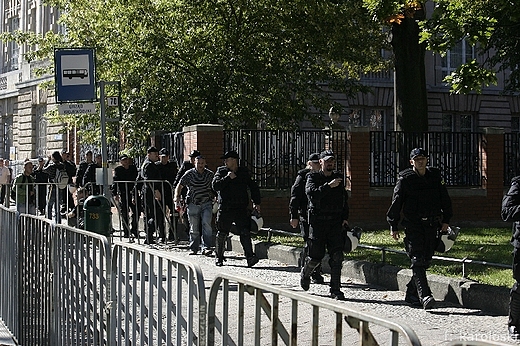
410 77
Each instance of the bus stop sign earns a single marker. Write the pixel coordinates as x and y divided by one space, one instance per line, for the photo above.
74 75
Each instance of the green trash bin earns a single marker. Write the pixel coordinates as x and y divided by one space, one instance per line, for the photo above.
98 215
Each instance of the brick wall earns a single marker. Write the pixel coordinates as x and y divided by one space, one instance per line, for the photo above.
368 205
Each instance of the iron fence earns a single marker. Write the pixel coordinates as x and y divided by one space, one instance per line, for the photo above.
275 157
457 154
511 156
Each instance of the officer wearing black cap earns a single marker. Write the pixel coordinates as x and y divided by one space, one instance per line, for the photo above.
421 195
328 218
298 209
231 182
152 196
168 170
123 189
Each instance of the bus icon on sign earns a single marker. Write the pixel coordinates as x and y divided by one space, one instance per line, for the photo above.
75 73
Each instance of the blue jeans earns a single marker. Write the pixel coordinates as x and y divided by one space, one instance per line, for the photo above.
200 214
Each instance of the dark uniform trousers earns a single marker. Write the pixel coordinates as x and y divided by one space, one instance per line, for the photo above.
326 233
242 219
154 215
514 304
420 242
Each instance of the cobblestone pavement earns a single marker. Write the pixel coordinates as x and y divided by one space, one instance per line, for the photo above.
446 322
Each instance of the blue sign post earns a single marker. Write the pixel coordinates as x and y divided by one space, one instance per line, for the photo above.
74 74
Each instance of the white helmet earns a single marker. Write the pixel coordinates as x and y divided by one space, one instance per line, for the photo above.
352 239
446 240
257 222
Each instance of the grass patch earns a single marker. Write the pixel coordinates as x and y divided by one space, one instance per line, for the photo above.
481 244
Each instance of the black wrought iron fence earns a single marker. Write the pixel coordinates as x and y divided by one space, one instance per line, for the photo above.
457 154
511 156
174 142
274 157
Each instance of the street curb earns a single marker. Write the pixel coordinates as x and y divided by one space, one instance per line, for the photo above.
458 291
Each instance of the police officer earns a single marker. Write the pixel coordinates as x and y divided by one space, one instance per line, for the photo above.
422 196
151 195
298 209
511 212
328 220
168 170
124 190
231 182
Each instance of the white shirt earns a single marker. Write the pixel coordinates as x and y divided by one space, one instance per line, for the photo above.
5 175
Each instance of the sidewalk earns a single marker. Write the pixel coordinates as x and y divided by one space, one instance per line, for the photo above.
459 291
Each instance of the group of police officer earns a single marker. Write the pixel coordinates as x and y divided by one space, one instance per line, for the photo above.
319 205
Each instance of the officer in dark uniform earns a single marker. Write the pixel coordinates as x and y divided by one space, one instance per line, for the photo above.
168 171
125 176
423 198
511 212
328 220
152 196
231 183
298 210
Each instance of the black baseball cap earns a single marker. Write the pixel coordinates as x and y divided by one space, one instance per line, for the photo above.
123 157
194 153
164 152
229 154
327 155
152 150
314 157
418 152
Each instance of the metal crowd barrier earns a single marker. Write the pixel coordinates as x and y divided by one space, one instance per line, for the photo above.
9 311
290 317
160 299
81 286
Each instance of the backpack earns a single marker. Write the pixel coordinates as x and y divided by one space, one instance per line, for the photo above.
62 178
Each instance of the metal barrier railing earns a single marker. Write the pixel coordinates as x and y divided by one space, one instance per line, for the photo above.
81 285
300 326
9 307
160 300
464 261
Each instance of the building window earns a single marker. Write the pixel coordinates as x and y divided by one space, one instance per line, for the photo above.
515 123
460 54
458 123
375 119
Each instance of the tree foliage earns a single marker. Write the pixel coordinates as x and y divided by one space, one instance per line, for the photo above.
492 26
233 62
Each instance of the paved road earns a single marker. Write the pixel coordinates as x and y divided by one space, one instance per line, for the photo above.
439 326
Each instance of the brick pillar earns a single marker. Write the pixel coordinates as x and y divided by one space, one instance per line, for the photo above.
359 174
493 171
206 138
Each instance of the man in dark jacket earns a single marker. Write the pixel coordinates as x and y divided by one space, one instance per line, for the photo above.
90 176
231 182
168 171
328 221
123 189
511 212
151 194
298 209
422 196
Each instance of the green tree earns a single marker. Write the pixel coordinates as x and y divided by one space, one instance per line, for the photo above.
233 62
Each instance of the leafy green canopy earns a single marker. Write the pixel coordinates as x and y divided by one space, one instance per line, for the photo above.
233 62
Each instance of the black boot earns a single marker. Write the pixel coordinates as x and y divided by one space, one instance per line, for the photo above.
423 290
411 296
305 275
513 323
220 244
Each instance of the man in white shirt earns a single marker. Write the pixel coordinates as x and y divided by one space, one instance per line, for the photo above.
5 180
